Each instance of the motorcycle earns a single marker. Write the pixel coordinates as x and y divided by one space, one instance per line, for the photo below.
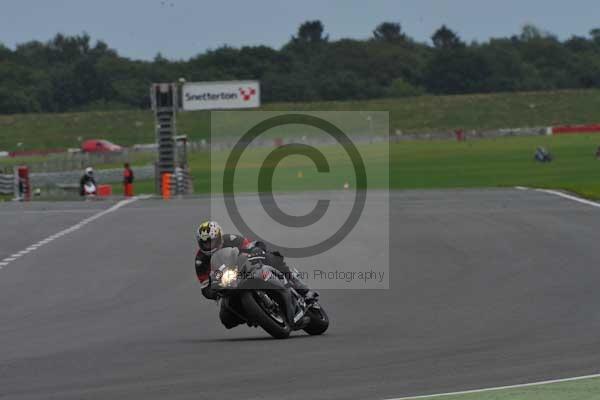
89 189
260 295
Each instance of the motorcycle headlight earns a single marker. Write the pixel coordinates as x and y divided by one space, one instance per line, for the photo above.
229 277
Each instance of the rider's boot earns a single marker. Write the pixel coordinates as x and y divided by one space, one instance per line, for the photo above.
293 277
310 296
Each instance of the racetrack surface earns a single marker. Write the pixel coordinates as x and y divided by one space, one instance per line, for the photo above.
488 288
25 223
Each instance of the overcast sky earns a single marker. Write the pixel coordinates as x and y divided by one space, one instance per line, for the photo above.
180 29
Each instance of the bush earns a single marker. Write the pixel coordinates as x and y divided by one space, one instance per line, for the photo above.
401 88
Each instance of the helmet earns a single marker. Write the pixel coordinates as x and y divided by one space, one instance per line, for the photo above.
209 237
89 171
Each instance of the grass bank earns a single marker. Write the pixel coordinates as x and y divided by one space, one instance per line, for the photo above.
416 114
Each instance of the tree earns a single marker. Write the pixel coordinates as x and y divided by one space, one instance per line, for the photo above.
14 100
388 32
311 32
5 52
445 38
401 88
459 71
72 73
530 32
67 48
595 34
579 44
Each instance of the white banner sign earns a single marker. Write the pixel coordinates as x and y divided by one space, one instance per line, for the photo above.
220 95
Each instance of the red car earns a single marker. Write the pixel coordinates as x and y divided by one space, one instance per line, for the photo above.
99 146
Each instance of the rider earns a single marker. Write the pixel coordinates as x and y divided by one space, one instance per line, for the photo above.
210 239
88 177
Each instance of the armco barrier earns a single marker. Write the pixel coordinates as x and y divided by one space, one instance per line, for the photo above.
33 153
7 184
42 179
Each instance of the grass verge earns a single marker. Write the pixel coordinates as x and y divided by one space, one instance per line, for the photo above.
503 162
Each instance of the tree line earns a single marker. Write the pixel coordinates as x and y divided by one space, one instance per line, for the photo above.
69 73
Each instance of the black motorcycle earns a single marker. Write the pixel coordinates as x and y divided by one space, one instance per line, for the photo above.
260 295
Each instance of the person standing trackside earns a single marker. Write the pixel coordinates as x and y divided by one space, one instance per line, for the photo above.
128 181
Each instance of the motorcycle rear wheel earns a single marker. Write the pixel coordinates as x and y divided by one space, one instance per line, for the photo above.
256 312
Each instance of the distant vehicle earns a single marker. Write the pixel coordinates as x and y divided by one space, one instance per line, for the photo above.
100 146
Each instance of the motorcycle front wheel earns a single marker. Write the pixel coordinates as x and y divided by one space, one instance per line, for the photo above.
319 321
268 317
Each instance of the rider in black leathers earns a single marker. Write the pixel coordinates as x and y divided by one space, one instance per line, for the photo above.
87 177
210 239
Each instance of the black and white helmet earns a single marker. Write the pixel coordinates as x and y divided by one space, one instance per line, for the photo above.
209 237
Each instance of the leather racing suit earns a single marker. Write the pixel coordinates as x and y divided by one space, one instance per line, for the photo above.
274 259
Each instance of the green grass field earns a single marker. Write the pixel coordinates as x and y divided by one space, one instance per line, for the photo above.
503 162
416 114
499 162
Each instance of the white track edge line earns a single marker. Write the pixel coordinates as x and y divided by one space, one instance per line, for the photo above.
522 385
562 194
6 261
568 196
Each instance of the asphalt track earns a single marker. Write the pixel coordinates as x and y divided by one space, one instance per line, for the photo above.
488 288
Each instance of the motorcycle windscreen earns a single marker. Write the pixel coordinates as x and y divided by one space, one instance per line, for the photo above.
229 256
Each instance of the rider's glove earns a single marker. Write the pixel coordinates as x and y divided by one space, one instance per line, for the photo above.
257 255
